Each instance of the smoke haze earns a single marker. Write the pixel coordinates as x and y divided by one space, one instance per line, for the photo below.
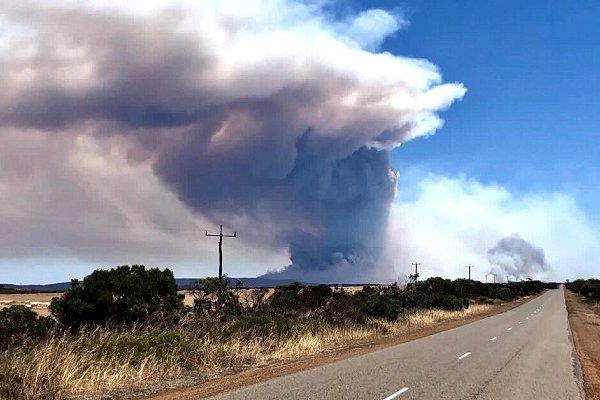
515 257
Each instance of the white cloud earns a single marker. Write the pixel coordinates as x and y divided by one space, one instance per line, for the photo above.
450 222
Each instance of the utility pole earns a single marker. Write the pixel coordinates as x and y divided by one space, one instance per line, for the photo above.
221 236
469 266
416 275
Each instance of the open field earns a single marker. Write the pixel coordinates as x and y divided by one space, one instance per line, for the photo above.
584 318
38 302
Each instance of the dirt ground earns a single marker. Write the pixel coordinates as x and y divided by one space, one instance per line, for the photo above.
584 318
38 302
260 374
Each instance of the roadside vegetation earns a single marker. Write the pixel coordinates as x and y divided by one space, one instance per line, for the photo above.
128 327
588 288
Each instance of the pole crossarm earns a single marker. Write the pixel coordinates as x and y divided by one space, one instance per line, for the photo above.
220 235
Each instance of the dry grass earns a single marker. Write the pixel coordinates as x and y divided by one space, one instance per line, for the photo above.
102 361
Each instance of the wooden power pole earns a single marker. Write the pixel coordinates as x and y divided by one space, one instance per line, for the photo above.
221 236
469 266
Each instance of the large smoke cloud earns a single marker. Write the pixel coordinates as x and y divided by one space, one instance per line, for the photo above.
517 258
272 117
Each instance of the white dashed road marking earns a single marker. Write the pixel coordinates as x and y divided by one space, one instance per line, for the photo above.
509 329
398 393
494 338
464 355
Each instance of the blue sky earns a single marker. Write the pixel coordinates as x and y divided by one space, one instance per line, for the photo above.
532 69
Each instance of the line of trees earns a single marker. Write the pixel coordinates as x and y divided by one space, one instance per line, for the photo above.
125 296
589 288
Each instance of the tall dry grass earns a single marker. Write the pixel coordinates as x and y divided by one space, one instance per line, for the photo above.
101 360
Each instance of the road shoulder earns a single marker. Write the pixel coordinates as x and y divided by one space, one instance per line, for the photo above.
585 328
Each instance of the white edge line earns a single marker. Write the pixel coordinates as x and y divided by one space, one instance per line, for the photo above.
398 393
509 329
494 338
468 353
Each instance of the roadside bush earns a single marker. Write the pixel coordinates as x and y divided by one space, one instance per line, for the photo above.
342 309
450 302
286 298
138 345
379 305
119 296
18 323
313 297
214 298
590 288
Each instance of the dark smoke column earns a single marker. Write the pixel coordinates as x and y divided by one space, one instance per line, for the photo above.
348 201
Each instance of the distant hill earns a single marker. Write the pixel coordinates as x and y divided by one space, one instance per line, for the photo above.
51 287
182 283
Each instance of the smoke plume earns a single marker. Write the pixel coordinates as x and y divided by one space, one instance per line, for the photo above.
271 117
515 257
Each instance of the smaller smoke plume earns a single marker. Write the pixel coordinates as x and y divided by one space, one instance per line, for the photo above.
515 257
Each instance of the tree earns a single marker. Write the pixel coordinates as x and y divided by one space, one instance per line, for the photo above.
214 298
121 295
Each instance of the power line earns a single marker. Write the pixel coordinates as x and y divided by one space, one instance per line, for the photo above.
221 236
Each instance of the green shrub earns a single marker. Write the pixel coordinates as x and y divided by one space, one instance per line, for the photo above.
19 322
286 298
380 306
216 299
120 296
449 302
269 325
138 345
313 297
590 288
342 309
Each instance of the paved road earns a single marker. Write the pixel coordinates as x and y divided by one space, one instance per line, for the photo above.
524 353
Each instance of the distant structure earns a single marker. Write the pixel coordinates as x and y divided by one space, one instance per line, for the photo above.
415 277
221 236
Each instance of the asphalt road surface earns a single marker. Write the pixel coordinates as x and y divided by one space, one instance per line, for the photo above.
524 353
